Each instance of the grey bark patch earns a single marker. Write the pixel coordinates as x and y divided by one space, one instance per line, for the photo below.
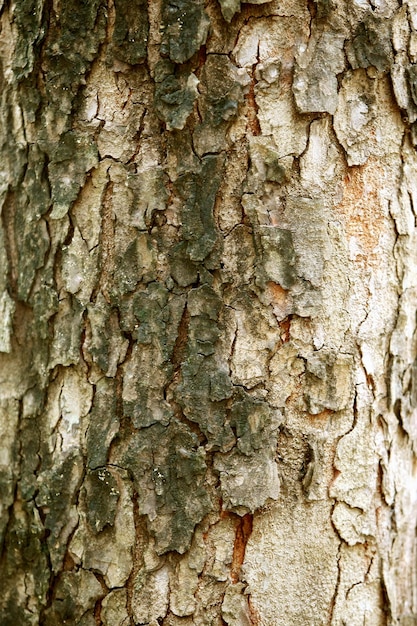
315 82
7 308
183 270
278 259
229 8
247 481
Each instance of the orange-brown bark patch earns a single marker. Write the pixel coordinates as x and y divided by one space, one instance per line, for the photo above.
253 613
285 327
362 210
277 293
253 121
280 300
243 532
322 416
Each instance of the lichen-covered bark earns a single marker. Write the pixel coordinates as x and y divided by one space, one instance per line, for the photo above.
208 312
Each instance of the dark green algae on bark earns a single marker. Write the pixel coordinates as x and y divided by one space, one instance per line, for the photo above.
152 344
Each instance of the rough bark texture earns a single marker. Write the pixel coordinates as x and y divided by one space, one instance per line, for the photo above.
208 293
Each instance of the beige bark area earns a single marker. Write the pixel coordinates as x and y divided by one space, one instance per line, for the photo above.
207 356
347 244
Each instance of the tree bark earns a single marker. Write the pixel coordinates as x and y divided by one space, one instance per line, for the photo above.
208 294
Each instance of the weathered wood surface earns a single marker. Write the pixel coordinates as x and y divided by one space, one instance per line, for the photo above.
208 289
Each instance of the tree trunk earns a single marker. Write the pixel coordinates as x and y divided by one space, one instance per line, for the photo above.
208 297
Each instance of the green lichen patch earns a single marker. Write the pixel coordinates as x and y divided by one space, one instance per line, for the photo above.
74 599
130 34
169 469
101 498
185 27
75 34
371 45
23 552
33 240
198 227
174 99
74 155
56 497
28 18
103 423
222 91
